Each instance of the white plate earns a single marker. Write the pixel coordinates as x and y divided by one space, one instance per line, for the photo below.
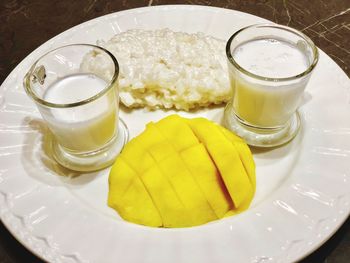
302 188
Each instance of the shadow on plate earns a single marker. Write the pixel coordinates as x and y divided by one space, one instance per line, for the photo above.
38 161
196 110
280 151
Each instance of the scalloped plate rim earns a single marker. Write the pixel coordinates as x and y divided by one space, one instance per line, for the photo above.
20 66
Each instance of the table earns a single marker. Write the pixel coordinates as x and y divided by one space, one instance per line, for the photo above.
27 24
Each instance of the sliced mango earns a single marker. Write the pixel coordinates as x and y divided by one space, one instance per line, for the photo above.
187 189
208 178
226 158
182 172
244 153
130 198
140 160
170 207
177 131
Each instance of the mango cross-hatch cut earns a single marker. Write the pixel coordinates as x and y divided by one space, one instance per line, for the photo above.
182 172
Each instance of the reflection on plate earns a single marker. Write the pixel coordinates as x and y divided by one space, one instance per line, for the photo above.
302 188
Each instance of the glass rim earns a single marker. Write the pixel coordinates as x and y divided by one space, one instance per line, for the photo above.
109 85
272 25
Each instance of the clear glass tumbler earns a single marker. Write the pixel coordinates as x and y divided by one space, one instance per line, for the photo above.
79 106
269 67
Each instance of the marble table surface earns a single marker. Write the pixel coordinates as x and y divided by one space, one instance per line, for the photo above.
26 24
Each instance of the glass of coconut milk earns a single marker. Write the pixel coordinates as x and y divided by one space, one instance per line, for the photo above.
269 67
79 106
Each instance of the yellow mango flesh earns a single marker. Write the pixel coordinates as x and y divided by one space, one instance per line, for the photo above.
198 162
244 154
182 172
129 196
226 158
170 208
187 190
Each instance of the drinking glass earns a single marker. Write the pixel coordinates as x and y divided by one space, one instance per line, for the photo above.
79 106
266 88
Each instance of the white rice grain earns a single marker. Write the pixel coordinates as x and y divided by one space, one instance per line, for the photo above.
166 69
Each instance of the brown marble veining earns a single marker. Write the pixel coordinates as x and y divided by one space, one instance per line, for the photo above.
26 24
327 23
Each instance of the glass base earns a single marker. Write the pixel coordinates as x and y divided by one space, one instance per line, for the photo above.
93 161
261 137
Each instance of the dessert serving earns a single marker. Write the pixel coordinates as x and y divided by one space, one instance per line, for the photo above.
178 172
182 172
124 212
